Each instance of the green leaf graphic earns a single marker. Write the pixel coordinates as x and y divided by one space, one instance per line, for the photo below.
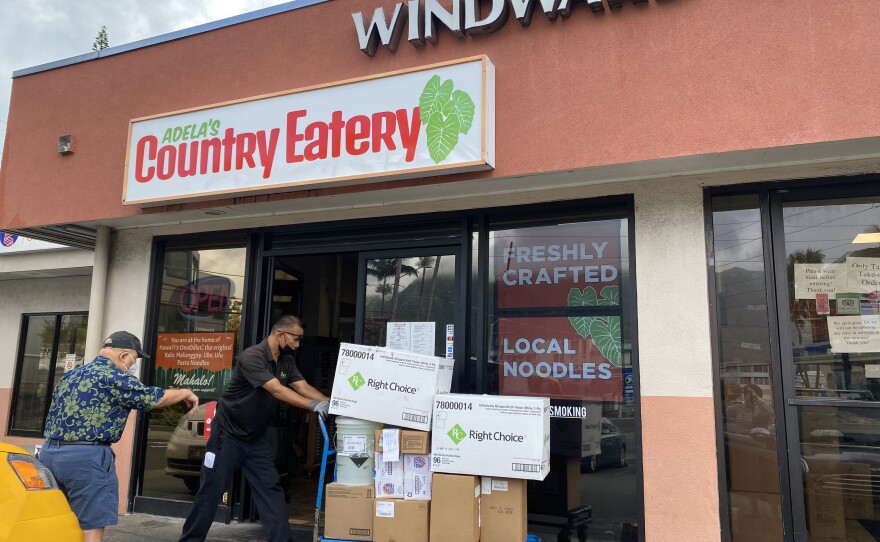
610 296
442 135
581 324
605 332
587 298
434 98
461 105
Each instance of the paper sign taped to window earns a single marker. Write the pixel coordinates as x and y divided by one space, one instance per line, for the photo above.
854 334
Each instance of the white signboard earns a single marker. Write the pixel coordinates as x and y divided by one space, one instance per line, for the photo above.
854 333
863 275
433 120
819 278
415 337
10 242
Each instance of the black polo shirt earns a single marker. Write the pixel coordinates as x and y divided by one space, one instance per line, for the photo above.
246 409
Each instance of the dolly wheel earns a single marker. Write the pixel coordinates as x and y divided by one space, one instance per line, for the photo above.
582 533
563 536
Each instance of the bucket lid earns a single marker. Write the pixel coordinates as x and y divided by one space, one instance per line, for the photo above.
342 420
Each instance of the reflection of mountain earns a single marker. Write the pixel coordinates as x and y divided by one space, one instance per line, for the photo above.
412 302
742 317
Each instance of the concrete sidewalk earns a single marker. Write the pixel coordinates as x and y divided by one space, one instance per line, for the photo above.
144 528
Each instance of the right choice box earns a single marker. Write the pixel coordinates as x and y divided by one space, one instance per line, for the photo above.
491 435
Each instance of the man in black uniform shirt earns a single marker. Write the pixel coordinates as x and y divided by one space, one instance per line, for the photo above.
238 432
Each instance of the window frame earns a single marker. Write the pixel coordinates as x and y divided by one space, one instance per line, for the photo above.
50 375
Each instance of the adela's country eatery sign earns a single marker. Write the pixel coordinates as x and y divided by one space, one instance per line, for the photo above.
425 121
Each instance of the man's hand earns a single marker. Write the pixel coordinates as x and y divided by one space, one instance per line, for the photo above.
192 401
321 407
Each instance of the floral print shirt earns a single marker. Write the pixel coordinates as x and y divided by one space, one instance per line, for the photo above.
91 403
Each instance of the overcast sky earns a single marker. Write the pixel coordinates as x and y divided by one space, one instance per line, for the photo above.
34 32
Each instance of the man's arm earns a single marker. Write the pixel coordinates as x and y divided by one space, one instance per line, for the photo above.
171 397
287 395
307 390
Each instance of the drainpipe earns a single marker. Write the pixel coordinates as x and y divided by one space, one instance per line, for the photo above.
94 334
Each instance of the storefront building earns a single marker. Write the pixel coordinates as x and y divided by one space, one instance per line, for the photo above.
660 214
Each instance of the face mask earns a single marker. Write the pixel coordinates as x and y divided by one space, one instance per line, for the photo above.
134 370
287 350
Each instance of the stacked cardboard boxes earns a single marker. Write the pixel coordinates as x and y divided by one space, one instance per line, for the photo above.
404 459
428 486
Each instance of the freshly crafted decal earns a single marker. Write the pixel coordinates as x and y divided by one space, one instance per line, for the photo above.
446 113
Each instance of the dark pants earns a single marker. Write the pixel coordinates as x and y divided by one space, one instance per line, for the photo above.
258 464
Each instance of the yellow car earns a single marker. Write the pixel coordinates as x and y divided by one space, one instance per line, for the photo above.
33 506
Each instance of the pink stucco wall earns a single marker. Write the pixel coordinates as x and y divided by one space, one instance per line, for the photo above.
662 79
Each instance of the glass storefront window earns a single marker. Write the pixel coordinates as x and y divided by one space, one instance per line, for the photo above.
196 339
51 343
559 328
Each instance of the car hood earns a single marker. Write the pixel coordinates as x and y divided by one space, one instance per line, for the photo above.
7 448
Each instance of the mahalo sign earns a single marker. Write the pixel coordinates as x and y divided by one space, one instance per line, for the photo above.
425 121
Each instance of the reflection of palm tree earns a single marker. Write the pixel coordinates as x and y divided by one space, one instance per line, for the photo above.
399 270
424 263
381 269
433 285
383 289
800 309
385 269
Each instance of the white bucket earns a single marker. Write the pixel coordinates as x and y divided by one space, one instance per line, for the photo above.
354 451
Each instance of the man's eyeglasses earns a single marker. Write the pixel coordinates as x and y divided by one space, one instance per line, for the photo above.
294 335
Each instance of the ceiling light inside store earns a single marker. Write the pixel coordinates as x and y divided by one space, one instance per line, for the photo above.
214 212
867 238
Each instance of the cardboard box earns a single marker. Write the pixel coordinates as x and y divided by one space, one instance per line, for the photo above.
824 508
503 510
491 435
409 441
455 508
401 521
417 477
349 512
389 478
388 386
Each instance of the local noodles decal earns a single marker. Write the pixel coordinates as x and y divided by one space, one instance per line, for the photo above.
426 121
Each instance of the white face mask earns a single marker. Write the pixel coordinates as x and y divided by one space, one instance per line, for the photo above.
135 369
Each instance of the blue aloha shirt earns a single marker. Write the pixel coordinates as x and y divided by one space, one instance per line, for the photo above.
92 402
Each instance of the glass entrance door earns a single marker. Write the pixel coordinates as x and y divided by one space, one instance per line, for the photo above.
407 300
829 306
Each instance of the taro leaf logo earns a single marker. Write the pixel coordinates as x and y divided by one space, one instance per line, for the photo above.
446 113
356 381
457 434
603 330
